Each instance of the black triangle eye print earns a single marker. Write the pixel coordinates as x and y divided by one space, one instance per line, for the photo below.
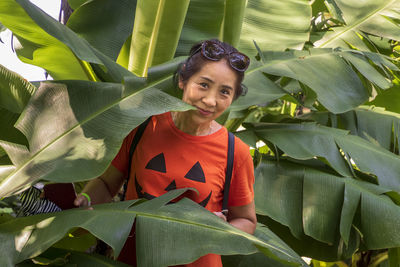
157 164
196 173
171 186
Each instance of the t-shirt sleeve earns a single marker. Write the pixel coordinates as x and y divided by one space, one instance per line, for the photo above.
121 159
242 184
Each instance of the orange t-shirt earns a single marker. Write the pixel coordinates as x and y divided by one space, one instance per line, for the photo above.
174 159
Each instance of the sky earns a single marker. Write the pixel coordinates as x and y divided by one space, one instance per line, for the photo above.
9 59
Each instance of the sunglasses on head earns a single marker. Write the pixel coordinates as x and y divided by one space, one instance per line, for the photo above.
214 51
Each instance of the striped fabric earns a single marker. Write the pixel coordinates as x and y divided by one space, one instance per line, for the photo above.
32 204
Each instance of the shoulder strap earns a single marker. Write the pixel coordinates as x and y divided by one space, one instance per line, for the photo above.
135 141
229 168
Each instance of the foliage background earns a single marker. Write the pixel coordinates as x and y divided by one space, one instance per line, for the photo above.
322 99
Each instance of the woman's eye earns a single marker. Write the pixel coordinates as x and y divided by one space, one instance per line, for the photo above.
225 92
204 85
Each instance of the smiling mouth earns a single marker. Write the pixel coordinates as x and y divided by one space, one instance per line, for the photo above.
204 112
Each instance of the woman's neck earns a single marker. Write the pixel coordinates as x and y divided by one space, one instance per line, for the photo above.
186 125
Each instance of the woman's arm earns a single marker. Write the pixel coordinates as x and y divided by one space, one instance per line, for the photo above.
243 217
103 188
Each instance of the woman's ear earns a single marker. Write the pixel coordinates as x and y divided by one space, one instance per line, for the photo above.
180 83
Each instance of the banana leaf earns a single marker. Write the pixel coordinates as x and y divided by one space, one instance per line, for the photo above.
7 131
75 4
37 47
389 98
105 24
336 84
2 28
29 24
63 257
309 247
159 227
325 206
5 169
309 140
394 256
156 33
233 20
75 128
15 91
275 25
374 124
379 18
261 90
204 20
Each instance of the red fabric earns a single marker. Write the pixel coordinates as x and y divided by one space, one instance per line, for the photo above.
173 158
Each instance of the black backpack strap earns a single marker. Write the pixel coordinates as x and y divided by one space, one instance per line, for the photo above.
228 174
135 141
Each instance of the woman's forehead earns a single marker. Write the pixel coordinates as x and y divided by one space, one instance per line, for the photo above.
218 71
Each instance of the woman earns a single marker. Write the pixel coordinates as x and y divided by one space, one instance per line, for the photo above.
188 149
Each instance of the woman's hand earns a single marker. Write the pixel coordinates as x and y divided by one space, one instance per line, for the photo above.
242 217
101 189
81 201
221 215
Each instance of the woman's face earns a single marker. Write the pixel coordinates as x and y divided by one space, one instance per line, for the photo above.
210 90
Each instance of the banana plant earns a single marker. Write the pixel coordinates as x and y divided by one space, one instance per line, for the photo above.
332 168
112 223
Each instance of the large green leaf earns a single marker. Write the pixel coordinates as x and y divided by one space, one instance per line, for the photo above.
257 259
75 128
38 47
275 25
233 20
324 205
156 33
378 18
261 90
75 4
7 131
270 23
394 256
196 28
34 36
309 140
389 98
2 28
105 24
63 257
312 248
374 124
337 86
15 91
5 170
159 228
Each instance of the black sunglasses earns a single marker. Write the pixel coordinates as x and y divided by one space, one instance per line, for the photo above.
214 51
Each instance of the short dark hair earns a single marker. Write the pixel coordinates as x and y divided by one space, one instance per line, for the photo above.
196 61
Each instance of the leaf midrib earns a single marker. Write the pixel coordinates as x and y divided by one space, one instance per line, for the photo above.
355 25
173 219
274 62
364 144
154 34
112 104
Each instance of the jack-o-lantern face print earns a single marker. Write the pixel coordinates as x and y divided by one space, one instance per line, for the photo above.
192 176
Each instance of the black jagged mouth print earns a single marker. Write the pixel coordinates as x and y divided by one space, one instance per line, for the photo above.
157 164
171 186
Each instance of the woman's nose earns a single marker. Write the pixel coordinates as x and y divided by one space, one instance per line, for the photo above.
210 99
